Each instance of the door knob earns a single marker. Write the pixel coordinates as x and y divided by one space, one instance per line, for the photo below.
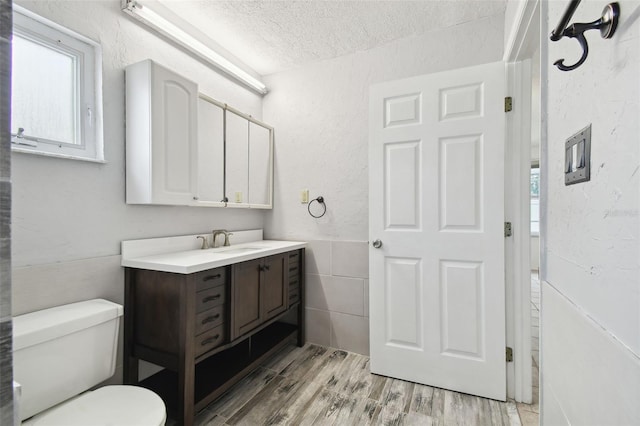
377 244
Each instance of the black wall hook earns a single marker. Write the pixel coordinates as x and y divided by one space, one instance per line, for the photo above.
607 25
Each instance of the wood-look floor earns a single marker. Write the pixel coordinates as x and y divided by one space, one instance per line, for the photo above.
315 385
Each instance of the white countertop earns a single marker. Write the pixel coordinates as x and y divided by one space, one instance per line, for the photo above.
195 260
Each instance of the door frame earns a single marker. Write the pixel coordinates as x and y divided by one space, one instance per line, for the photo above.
519 48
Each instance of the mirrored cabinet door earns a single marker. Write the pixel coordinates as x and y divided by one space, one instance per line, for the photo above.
260 175
210 189
237 160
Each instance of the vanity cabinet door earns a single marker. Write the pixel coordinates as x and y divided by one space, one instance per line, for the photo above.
259 292
246 312
274 286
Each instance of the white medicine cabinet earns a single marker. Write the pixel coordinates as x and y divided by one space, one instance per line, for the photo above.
185 148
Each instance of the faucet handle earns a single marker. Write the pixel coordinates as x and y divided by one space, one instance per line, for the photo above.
226 238
204 242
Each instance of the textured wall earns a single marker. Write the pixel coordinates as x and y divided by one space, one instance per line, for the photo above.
67 210
592 283
321 112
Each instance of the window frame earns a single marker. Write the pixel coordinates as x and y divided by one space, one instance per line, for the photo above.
87 54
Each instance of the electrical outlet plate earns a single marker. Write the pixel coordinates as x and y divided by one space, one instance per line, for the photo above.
577 160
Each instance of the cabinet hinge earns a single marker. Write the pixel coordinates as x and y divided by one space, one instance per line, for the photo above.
507 229
509 354
508 104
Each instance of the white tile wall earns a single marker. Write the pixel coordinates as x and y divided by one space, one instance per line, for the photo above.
320 262
350 332
588 375
350 259
337 294
318 326
45 286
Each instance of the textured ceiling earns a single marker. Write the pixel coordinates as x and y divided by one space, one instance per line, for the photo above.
271 36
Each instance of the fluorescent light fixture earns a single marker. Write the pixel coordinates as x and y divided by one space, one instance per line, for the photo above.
144 14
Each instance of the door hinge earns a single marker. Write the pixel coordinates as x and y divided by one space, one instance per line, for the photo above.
508 104
509 354
507 229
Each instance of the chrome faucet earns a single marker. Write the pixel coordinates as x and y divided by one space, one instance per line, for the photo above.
226 237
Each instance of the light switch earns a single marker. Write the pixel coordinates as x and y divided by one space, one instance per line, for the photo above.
239 197
304 196
577 161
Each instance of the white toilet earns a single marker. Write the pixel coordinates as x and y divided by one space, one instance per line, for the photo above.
61 352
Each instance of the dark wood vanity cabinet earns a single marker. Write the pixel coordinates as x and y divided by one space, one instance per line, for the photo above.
211 328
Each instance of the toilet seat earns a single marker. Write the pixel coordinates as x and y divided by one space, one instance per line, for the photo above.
106 406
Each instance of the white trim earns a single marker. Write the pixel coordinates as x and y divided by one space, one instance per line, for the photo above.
520 46
31 26
21 150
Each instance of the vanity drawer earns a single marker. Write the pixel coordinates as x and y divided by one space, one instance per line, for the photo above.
210 278
207 299
209 319
209 340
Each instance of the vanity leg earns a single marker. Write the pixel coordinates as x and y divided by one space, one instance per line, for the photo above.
186 358
130 367
301 306
186 414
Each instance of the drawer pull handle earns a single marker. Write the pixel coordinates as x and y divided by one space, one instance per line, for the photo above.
211 277
205 342
210 298
293 296
293 268
211 318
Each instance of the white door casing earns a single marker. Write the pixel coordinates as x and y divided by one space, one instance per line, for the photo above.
437 295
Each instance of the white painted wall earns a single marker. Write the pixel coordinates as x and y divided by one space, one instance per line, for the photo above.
66 210
590 313
320 112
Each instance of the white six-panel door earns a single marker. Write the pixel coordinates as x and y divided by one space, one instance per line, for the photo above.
437 297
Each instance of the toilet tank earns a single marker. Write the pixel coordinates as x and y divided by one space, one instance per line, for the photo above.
63 351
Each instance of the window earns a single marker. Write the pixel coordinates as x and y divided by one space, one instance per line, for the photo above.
535 201
56 83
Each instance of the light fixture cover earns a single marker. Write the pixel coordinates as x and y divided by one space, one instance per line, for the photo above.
146 15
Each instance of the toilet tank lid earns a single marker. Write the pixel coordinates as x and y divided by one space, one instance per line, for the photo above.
48 324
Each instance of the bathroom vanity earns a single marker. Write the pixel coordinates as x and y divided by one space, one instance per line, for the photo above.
209 317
